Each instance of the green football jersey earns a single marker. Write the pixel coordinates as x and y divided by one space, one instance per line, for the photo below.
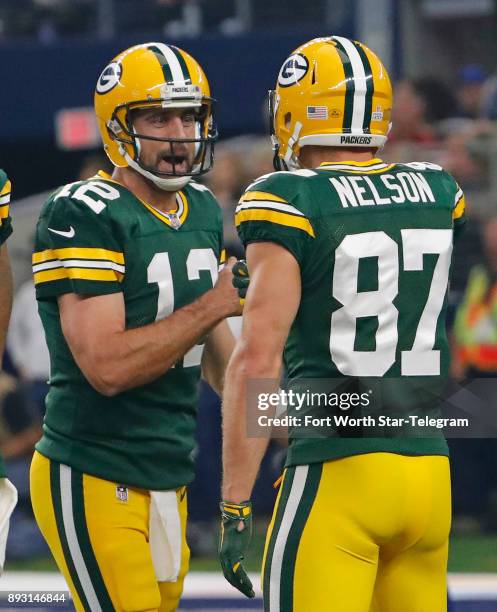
374 243
95 237
5 220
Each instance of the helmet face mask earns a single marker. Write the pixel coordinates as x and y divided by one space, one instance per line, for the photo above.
331 92
122 130
278 162
150 76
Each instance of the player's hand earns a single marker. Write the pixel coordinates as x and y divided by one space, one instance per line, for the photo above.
236 532
241 279
226 292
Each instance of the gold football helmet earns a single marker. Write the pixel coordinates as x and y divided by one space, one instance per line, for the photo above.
154 74
330 92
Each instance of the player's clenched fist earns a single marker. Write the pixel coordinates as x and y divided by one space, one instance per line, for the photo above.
231 295
241 278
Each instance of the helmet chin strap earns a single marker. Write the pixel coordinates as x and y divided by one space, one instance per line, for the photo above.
167 184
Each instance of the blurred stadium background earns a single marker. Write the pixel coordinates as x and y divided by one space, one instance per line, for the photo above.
442 55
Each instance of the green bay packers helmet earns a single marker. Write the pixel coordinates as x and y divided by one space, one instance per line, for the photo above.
150 75
330 92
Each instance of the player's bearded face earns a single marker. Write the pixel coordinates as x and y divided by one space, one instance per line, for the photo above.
168 157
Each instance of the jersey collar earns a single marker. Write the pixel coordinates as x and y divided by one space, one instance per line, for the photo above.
174 218
371 165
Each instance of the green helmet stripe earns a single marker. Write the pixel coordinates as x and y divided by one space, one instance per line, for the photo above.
182 63
349 86
368 106
161 58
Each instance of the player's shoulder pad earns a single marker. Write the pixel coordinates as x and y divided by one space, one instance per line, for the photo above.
200 192
82 202
201 196
422 166
200 187
280 187
279 198
281 181
455 193
91 196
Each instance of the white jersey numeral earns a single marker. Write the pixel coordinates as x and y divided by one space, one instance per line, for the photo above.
159 271
421 359
364 304
96 188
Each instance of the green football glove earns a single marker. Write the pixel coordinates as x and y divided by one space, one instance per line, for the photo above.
236 532
241 279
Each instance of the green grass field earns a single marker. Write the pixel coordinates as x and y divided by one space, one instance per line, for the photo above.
468 553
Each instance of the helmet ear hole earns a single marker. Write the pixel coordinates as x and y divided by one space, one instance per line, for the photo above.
288 120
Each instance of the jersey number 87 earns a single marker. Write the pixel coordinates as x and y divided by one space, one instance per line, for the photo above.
421 359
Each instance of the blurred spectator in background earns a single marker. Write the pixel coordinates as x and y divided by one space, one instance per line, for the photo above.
469 91
28 349
226 181
413 135
474 356
203 493
418 105
457 157
475 328
259 161
238 162
92 164
482 146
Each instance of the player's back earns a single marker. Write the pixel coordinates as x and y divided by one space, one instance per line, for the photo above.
374 242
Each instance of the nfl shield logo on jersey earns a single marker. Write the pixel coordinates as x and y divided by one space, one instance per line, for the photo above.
122 493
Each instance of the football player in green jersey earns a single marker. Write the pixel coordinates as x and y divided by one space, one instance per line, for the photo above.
8 493
126 273
349 261
5 272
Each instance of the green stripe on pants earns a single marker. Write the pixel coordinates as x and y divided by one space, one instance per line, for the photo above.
296 530
78 505
57 506
286 486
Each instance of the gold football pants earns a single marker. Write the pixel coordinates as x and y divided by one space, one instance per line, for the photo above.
98 535
367 533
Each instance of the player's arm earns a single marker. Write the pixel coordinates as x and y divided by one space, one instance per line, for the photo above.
115 359
272 302
5 295
217 352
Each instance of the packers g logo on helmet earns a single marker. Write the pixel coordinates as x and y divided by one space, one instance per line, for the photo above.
148 75
293 70
109 78
330 92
